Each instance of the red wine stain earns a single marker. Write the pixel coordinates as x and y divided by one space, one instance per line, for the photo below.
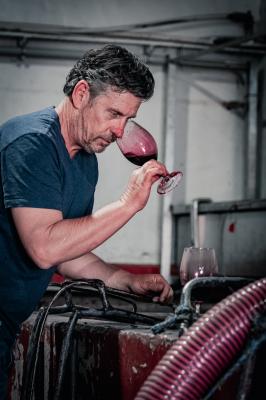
232 227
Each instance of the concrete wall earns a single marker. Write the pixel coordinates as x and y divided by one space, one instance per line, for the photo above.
215 136
209 140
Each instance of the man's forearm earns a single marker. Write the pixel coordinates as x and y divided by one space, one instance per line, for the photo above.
91 266
75 237
51 240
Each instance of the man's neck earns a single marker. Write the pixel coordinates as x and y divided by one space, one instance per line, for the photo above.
67 118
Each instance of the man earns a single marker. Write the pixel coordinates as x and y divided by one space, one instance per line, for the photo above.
47 182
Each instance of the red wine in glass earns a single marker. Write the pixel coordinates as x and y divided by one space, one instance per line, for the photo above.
139 146
140 160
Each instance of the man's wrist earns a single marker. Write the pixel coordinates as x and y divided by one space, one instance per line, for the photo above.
128 207
120 279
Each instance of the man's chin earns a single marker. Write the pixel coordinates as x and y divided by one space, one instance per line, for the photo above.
99 150
95 149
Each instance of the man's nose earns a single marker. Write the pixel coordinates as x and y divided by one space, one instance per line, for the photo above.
118 129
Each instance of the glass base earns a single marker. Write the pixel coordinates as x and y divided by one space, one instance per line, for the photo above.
169 182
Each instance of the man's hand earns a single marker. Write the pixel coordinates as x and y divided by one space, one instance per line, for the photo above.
152 284
138 190
142 284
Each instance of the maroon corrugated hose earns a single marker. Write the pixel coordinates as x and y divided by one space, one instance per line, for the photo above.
198 358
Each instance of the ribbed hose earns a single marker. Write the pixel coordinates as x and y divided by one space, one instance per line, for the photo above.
198 358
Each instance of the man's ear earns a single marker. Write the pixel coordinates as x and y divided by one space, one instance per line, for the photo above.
80 94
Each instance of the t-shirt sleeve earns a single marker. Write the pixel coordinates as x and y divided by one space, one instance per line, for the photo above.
31 173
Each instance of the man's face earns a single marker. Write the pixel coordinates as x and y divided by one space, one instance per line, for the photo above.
104 118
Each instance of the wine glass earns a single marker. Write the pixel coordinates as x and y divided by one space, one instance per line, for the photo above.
197 262
139 146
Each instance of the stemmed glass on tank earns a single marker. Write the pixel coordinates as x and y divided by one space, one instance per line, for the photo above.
139 146
197 262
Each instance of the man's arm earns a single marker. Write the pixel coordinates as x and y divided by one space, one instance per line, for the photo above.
90 266
51 240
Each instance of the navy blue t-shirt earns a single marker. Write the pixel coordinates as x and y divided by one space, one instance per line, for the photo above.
36 171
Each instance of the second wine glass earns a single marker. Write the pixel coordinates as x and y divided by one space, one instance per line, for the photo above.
197 262
139 146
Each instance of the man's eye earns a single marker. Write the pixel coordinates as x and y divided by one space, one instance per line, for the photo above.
115 114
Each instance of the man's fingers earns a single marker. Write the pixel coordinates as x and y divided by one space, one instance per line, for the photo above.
154 169
153 284
158 284
167 295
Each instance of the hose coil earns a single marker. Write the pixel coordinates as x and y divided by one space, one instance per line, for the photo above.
202 354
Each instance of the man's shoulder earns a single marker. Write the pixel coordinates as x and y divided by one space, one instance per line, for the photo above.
39 122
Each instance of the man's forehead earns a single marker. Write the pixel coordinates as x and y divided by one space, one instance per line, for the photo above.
121 100
115 93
